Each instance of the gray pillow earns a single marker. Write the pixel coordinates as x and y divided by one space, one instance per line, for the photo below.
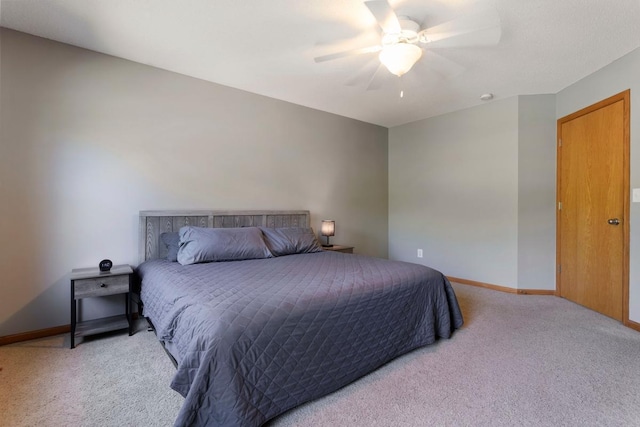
199 244
172 242
287 241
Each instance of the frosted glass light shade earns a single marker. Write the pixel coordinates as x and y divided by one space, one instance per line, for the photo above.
400 57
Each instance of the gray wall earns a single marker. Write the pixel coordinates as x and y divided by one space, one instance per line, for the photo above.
536 192
453 192
616 77
434 160
88 140
476 190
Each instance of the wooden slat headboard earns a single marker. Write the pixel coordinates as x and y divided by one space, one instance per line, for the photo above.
154 223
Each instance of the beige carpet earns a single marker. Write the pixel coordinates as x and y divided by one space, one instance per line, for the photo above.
519 360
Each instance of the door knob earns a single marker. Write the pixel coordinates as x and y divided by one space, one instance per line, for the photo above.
614 221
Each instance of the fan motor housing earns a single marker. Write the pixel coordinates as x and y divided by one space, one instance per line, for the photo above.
408 33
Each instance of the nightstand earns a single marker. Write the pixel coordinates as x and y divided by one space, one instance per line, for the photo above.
339 248
91 282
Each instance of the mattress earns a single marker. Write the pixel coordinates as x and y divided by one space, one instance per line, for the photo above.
254 338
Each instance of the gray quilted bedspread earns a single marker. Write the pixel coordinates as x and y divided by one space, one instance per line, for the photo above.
255 338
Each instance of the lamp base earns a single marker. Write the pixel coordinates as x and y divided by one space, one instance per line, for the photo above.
327 246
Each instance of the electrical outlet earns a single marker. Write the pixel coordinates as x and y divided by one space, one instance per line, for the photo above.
419 253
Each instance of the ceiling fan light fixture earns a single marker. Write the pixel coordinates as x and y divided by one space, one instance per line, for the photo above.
400 57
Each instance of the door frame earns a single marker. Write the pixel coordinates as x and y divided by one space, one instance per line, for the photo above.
625 96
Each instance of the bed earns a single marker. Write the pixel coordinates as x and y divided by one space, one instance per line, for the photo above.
253 338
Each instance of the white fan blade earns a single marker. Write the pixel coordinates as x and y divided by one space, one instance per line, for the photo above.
485 37
362 50
441 65
430 70
479 29
384 14
378 78
363 76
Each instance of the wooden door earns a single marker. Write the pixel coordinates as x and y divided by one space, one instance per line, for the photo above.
593 205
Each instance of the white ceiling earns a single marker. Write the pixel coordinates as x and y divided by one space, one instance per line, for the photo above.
267 47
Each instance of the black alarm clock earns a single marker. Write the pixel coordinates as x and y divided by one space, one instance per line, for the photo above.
105 265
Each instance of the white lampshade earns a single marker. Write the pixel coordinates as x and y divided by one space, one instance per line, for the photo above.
400 57
328 227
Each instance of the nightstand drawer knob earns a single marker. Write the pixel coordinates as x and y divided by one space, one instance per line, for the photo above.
104 285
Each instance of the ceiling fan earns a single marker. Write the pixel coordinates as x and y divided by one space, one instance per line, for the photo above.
403 43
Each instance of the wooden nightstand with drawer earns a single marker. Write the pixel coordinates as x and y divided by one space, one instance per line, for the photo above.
339 248
91 282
